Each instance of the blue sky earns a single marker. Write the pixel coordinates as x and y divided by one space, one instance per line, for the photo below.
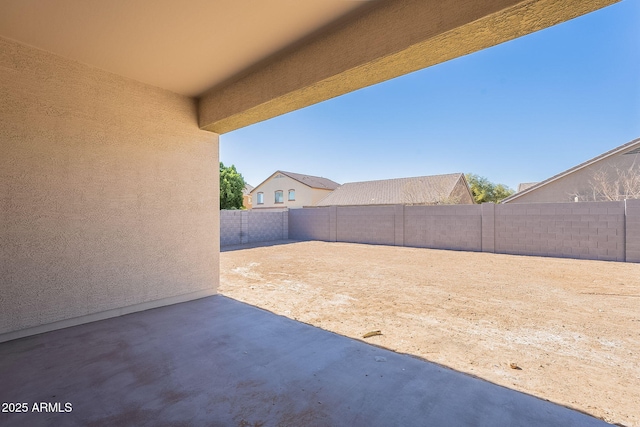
517 112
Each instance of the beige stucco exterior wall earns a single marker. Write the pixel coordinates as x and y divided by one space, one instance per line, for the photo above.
317 194
305 195
108 195
579 182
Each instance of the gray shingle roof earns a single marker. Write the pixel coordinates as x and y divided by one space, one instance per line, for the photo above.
416 190
312 181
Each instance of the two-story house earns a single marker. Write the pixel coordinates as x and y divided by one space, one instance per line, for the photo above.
291 190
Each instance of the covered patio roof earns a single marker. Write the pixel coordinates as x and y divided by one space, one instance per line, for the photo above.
249 60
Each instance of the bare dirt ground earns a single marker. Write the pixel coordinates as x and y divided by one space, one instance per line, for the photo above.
571 326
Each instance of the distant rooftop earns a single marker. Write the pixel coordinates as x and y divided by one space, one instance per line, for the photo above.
312 181
247 189
416 190
524 185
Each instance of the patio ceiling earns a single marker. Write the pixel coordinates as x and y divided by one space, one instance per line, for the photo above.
185 47
251 60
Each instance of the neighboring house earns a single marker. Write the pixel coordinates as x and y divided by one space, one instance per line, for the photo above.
614 175
291 190
422 190
246 196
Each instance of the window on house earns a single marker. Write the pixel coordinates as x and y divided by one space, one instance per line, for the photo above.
260 198
292 195
279 196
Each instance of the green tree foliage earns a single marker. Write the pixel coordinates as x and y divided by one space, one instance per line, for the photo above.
485 191
231 186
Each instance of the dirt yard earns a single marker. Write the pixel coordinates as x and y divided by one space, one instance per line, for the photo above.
571 327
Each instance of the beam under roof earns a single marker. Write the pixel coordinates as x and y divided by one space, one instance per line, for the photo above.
387 40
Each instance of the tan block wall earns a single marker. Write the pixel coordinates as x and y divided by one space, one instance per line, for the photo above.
593 230
108 194
632 228
238 227
311 224
590 230
366 224
233 226
267 226
443 227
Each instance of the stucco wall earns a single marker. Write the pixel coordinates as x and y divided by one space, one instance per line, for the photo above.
108 193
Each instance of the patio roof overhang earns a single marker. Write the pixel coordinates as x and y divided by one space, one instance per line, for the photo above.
249 61
386 41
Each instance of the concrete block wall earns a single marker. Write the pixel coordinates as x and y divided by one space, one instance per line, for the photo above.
632 228
573 230
588 230
230 228
443 227
310 224
237 227
366 224
267 226
488 222
399 225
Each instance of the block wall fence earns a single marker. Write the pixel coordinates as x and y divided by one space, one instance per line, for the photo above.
587 230
238 227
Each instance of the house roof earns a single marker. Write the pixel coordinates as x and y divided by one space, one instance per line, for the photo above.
524 185
308 180
632 147
312 181
416 190
247 189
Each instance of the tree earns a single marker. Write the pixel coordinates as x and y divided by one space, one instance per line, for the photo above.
612 184
231 186
485 191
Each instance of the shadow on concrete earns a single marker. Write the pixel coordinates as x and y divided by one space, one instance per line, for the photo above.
219 362
256 245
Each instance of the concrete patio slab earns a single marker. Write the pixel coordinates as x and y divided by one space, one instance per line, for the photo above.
219 362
